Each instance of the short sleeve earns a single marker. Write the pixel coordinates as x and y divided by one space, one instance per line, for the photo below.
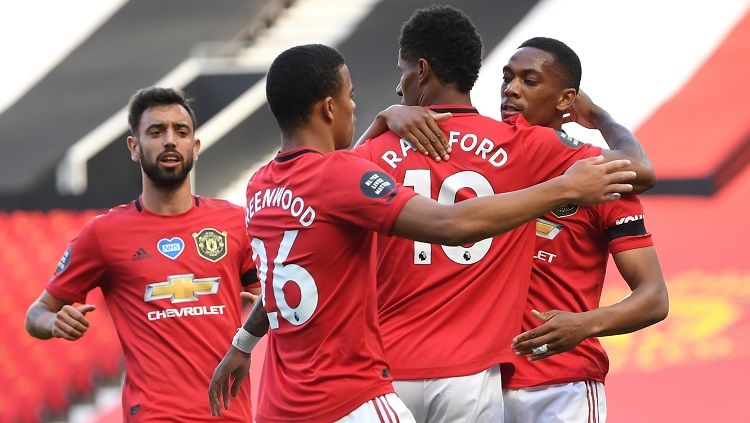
364 195
549 153
623 222
248 276
81 268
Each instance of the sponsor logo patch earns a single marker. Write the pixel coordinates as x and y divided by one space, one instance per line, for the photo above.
211 244
628 219
566 210
140 254
376 184
181 288
568 140
171 248
547 229
64 261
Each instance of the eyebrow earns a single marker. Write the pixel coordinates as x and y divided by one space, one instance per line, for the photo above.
156 126
162 126
180 125
507 68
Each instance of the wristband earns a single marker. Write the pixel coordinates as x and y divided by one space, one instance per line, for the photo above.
244 341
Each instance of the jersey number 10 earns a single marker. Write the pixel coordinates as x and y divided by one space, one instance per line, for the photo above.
420 180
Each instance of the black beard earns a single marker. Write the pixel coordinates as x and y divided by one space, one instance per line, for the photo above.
166 178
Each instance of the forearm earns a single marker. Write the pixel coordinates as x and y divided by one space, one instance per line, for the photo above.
477 218
638 310
40 321
621 140
257 322
484 217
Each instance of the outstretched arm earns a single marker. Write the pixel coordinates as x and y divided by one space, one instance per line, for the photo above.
236 362
621 141
648 303
587 181
51 317
415 124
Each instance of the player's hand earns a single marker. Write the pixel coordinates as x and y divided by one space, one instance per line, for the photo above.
70 322
584 112
560 330
249 297
592 181
418 126
234 366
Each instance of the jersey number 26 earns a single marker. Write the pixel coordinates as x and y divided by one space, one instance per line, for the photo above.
281 273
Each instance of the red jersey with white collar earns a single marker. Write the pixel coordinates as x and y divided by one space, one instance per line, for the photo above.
452 311
171 284
570 260
310 218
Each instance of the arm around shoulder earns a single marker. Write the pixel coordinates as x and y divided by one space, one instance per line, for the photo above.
586 182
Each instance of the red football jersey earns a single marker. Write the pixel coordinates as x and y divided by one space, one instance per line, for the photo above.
310 218
570 260
452 311
171 284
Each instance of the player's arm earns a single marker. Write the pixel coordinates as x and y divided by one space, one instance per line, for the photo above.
236 363
648 303
415 124
622 142
587 181
51 317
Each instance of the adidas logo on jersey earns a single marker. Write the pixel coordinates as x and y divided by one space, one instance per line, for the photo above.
141 254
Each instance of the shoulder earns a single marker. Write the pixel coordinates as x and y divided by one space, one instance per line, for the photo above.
218 204
346 157
386 137
115 215
383 141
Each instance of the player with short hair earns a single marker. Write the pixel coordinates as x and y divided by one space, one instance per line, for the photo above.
312 215
170 264
570 257
448 314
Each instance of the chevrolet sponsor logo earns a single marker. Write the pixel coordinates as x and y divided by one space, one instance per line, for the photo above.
547 229
181 288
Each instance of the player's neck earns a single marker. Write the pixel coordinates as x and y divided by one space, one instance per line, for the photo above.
167 202
310 137
444 95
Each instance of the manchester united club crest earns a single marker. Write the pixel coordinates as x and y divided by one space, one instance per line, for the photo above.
211 244
566 210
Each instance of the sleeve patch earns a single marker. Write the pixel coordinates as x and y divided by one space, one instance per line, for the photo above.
376 184
568 140
64 261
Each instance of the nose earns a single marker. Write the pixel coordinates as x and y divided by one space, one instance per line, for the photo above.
399 92
169 137
510 89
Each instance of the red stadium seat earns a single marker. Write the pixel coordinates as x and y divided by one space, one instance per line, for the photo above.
41 377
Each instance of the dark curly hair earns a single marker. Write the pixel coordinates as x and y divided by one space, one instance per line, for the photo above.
299 77
566 60
447 39
145 98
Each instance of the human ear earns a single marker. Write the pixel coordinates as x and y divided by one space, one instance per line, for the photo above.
567 97
328 106
135 152
423 69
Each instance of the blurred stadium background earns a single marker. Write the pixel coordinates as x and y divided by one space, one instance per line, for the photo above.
674 71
